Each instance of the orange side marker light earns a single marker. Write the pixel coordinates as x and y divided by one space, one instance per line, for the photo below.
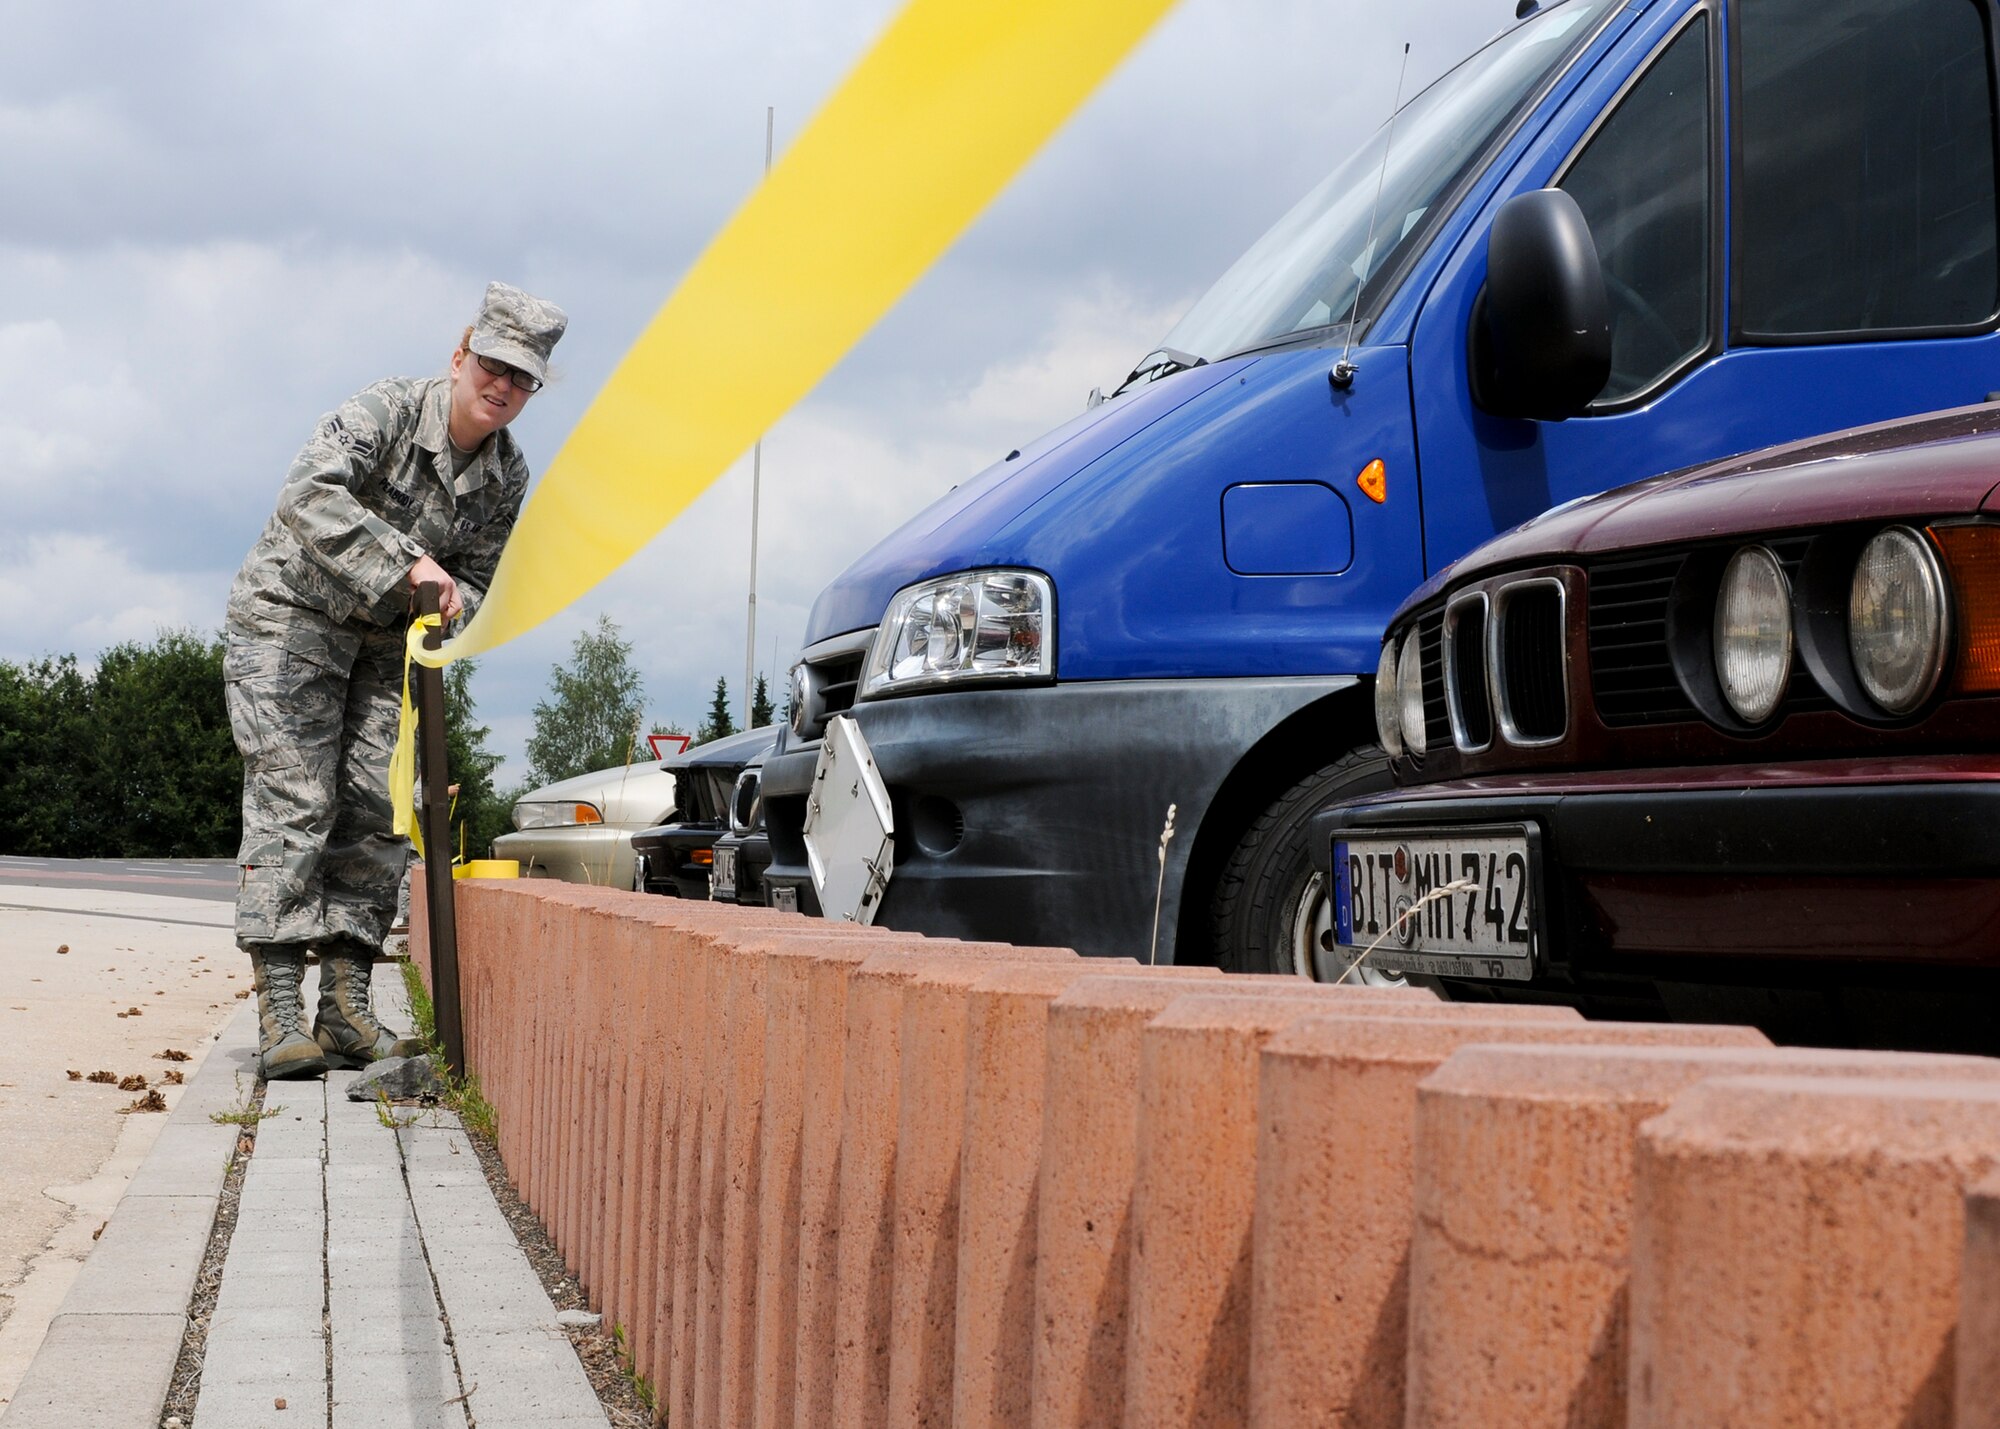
1972 555
1374 481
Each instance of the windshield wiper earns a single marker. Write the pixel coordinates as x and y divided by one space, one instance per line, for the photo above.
1161 362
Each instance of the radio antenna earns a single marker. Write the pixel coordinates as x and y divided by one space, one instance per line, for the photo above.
1342 376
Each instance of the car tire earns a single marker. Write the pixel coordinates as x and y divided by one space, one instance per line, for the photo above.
1261 915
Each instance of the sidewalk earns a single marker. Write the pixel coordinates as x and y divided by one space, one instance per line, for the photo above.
370 1280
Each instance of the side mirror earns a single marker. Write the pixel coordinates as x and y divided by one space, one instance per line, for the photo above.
1540 342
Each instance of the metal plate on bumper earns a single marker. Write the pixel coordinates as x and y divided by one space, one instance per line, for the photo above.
1460 902
849 827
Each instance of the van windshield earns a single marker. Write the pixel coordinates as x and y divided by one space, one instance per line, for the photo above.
1302 274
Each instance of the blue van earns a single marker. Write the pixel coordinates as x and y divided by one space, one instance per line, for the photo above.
1623 237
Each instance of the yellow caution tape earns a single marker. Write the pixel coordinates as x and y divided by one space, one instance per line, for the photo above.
953 100
403 759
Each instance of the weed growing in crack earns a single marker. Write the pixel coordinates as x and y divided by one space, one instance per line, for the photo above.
246 1112
386 1114
461 1094
641 1386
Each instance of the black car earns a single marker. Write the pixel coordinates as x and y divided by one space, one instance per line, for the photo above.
742 854
675 859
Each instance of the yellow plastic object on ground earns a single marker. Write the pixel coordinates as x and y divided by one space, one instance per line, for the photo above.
488 868
953 100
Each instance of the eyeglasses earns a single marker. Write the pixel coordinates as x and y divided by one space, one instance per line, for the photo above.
523 381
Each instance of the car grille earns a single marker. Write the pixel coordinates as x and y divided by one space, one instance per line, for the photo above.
1632 678
1535 704
1631 675
1467 679
1430 660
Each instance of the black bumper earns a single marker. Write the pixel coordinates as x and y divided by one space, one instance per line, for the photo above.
669 851
1033 815
1794 877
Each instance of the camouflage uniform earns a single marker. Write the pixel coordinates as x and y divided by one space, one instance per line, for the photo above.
313 655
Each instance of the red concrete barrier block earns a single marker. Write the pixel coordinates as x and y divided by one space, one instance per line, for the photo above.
1336 1099
1194 1197
1796 1250
1084 1202
1524 1206
790 1040
871 1078
819 1153
1006 1049
732 1169
933 1206
1978 1341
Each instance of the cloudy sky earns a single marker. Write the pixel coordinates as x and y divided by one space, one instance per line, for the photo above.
217 220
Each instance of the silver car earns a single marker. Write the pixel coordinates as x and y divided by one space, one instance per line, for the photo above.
580 830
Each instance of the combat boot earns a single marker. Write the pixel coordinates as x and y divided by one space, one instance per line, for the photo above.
347 1029
283 1048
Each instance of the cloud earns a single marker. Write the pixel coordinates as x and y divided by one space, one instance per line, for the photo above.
70 592
217 220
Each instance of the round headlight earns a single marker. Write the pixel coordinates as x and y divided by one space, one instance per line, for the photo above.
1388 724
1410 694
1753 633
1895 620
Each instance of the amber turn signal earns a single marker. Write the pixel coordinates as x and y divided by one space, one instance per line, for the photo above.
1972 555
587 814
703 855
1374 481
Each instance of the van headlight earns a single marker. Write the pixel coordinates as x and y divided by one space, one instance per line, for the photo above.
973 626
1388 718
1753 633
1896 620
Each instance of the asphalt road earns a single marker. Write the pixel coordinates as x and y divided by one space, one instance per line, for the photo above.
212 879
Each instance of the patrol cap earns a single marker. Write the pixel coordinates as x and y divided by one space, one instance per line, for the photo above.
517 329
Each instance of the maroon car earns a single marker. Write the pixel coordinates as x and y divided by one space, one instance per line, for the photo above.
1725 742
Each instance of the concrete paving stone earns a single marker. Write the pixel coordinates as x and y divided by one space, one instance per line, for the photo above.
396 1391
402 1331
98 1372
502 1419
532 1373
271 1161
462 1217
287 1278
187 1160
281 1359
253 1404
494 1298
301 1316
298 1194
279 1220
146 1260
267 1240
392 1274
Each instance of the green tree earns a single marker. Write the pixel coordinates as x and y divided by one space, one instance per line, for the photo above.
483 811
168 779
133 760
761 713
591 716
49 758
718 723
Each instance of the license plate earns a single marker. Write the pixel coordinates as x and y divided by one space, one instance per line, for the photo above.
785 900
1447 902
722 876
